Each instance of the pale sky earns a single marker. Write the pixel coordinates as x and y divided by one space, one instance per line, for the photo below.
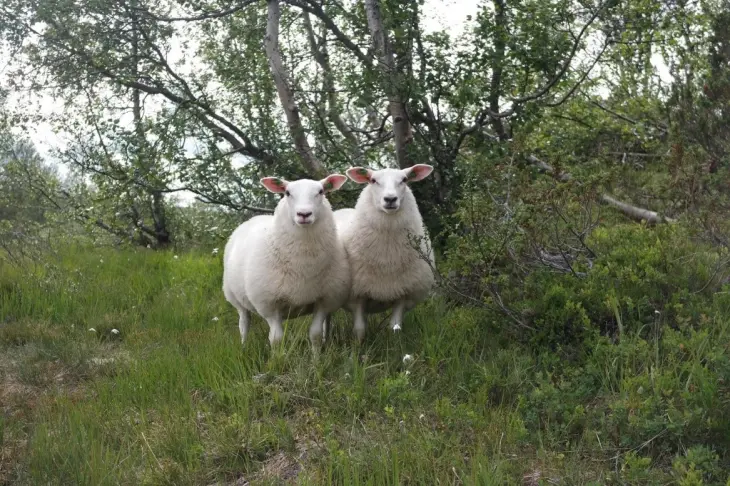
449 15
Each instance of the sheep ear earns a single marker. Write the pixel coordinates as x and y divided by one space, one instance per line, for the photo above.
333 182
417 172
274 184
360 175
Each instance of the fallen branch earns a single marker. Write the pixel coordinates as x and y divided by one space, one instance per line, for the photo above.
636 213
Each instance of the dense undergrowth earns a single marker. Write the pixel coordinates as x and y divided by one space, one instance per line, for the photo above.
125 367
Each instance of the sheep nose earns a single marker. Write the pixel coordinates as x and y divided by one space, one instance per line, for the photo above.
390 200
304 215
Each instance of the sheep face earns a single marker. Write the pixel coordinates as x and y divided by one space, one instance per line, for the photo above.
388 186
305 197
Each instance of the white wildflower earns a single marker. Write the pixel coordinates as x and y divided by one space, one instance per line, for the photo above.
407 358
115 331
101 260
149 246
421 417
91 329
215 251
408 372
175 257
657 312
396 328
215 319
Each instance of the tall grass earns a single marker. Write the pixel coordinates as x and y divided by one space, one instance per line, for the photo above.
125 367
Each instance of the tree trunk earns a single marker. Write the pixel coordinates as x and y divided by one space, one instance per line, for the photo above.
392 83
286 96
146 160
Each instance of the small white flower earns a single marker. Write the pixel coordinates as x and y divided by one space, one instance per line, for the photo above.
101 260
421 417
91 329
408 372
407 358
215 319
149 246
347 375
215 251
115 331
396 328
657 312
175 257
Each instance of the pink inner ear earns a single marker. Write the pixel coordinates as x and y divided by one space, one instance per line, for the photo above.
359 174
333 182
418 172
274 184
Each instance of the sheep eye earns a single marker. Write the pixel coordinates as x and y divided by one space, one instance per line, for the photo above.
373 181
286 193
321 191
404 180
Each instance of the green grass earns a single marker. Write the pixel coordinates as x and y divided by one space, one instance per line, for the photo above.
173 398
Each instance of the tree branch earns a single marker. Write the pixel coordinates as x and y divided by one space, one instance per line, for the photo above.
203 16
316 10
204 113
333 111
489 113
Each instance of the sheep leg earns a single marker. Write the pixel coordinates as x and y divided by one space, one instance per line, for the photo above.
244 320
359 318
276 332
316 329
325 325
396 319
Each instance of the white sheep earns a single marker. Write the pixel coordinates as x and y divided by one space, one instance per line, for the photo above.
290 264
379 236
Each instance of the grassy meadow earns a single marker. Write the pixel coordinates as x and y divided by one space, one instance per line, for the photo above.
125 367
